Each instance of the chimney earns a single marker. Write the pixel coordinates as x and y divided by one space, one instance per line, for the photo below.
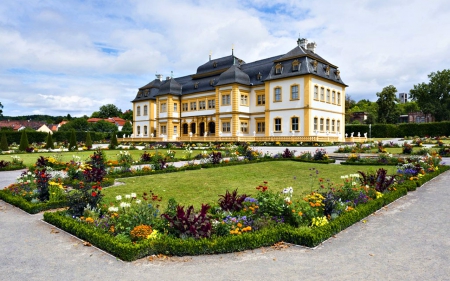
159 77
302 42
168 78
312 47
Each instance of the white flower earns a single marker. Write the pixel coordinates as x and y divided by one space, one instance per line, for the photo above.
287 199
125 205
29 173
113 209
127 196
133 195
118 197
138 201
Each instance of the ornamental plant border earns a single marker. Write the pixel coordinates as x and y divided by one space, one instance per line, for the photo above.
305 236
13 168
31 208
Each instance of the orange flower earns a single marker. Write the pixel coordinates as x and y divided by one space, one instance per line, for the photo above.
300 214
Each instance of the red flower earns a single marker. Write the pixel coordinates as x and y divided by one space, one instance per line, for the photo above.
94 193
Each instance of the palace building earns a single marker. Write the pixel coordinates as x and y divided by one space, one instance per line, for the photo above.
297 96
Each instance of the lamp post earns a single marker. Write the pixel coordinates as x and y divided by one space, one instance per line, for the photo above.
370 132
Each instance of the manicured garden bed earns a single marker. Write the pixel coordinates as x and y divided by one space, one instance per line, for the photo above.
202 213
239 222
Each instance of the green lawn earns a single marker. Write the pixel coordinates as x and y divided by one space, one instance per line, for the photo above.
30 158
204 186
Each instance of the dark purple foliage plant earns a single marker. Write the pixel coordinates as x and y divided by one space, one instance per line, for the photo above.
232 201
187 223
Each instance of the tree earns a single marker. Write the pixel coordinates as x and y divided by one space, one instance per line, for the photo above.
73 141
128 115
95 114
4 143
88 140
23 141
109 110
434 97
77 124
387 106
349 103
113 143
408 107
127 129
103 126
49 144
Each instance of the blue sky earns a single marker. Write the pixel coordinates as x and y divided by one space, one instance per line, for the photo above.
71 57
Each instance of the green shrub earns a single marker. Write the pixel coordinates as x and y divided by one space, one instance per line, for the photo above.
24 141
73 141
49 144
4 143
88 143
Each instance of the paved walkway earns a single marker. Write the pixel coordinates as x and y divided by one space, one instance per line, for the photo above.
407 240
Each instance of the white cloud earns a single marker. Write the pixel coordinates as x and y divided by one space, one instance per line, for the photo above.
74 56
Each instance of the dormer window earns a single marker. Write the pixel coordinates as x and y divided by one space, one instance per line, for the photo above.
211 82
338 74
196 85
214 64
146 93
139 94
259 76
295 65
327 70
278 68
314 64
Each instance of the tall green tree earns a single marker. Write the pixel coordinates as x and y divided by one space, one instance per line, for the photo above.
109 110
113 143
88 140
387 106
24 144
73 141
49 144
434 97
4 143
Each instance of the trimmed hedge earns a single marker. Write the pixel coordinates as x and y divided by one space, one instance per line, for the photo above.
434 129
32 208
41 137
305 236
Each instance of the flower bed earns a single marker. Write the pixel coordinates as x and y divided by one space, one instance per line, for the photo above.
134 227
306 236
15 164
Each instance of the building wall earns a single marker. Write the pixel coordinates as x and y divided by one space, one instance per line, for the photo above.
243 111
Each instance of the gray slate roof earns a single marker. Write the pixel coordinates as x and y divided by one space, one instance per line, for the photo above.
230 69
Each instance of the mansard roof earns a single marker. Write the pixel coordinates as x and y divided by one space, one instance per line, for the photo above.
230 69
233 75
170 86
214 66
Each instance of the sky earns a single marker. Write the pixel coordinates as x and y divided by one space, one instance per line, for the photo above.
73 56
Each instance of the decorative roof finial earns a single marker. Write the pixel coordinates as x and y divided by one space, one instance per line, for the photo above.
210 53
232 49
